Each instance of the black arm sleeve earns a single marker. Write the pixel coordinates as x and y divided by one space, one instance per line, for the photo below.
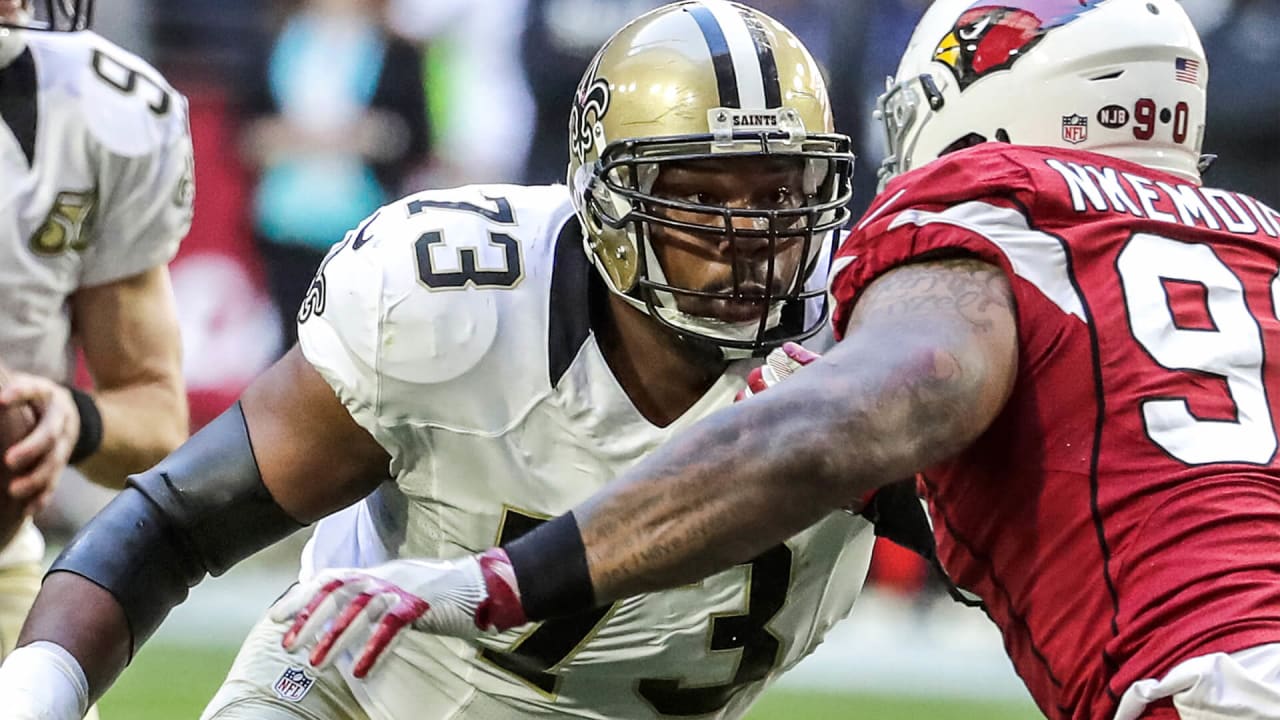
200 511
897 514
550 563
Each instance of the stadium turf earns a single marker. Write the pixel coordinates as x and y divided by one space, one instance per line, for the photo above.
172 683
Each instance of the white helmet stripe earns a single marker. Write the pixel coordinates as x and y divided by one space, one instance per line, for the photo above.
729 31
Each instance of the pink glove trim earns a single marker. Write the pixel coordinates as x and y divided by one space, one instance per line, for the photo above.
502 609
302 617
409 608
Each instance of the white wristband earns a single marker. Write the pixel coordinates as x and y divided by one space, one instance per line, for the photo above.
42 681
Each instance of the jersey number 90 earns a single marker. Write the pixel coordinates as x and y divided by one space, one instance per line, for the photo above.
1224 344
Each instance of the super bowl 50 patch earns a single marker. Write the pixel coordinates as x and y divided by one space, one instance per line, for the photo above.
66 227
293 684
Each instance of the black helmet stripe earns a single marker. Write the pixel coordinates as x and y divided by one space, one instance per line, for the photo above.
721 59
746 70
768 65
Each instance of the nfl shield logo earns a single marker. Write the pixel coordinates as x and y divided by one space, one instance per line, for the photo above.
293 684
1075 128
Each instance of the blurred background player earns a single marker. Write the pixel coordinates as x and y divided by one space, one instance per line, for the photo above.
96 191
705 188
472 68
1046 315
335 121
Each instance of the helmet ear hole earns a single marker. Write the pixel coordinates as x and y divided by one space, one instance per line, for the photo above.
965 142
1108 76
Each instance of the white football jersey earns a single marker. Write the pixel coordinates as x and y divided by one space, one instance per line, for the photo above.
95 186
454 326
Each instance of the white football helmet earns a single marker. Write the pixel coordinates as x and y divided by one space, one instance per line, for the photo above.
1125 78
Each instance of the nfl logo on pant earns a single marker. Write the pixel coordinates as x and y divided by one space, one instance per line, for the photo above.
1075 128
293 684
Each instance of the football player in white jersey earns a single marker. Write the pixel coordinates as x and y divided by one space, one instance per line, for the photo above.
95 195
472 361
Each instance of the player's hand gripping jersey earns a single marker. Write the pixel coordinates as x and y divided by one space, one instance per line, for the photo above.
1136 458
455 326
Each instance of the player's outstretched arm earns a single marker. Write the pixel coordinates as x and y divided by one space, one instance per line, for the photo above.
366 608
286 454
927 363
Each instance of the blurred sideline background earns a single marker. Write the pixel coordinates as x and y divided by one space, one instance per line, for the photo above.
307 114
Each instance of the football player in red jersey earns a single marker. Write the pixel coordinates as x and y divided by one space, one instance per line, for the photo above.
1049 318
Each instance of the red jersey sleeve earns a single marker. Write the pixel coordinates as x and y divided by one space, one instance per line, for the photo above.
966 203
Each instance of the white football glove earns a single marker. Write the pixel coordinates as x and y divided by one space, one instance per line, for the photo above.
778 366
340 609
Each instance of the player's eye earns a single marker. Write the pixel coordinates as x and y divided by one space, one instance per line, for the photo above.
699 198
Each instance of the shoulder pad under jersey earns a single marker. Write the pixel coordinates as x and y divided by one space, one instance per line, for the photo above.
127 105
407 312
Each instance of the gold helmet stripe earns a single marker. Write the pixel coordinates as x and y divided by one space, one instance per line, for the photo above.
734 54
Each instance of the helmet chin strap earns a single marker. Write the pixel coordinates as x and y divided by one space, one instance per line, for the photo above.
704 328
12 42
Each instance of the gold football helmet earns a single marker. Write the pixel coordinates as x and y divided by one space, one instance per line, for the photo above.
697 81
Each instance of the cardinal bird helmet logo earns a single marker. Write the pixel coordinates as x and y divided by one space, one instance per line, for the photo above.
992 36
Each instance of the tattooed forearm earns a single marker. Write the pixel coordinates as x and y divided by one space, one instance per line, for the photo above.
640 531
927 362
968 288
954 324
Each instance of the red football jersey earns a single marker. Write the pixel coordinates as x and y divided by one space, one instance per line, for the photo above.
1122 514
